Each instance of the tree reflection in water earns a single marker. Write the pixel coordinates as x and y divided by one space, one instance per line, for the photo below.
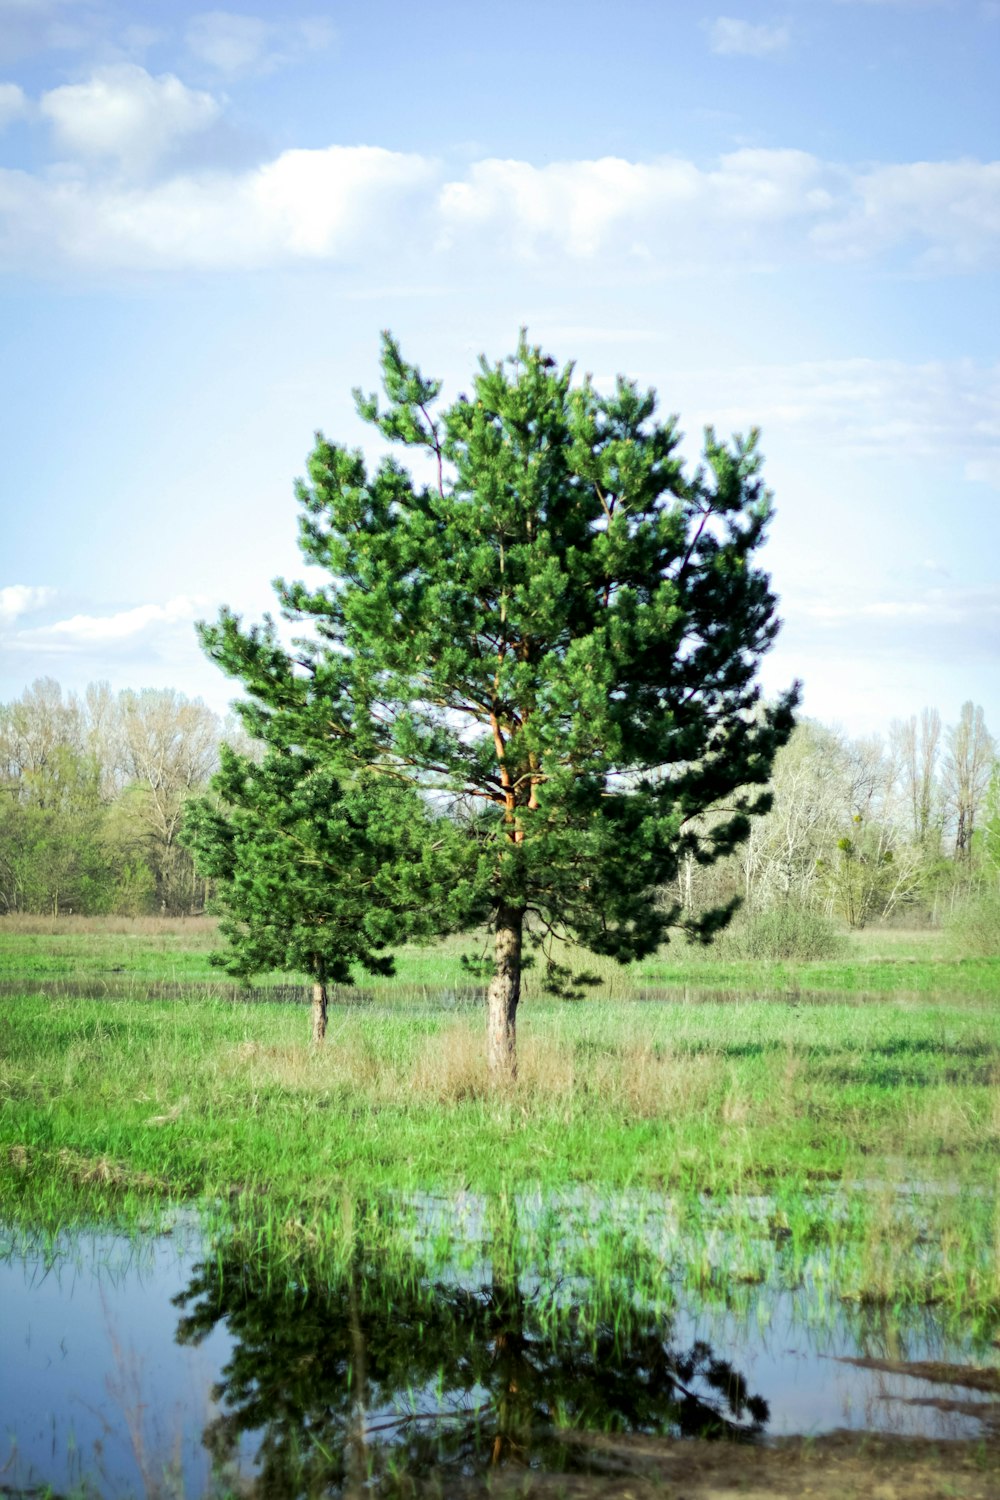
381 1374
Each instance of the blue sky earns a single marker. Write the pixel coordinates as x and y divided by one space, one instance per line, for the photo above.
785 216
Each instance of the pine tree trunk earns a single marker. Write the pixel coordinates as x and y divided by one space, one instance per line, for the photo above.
318 1011
504 993
513 1404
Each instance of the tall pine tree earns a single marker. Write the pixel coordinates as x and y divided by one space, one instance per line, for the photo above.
561 629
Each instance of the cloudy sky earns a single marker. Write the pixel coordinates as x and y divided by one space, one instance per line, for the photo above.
779 215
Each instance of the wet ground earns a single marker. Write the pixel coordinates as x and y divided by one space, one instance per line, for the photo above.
119 984
837 1466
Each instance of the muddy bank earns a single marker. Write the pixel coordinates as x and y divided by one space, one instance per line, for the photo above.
836 1466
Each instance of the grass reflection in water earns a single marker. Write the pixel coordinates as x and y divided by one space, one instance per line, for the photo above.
377 1373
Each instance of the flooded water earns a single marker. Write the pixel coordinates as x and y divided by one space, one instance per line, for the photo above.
92 1384
120 985
177 1367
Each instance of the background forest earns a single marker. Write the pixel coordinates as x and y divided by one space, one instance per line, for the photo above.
903 827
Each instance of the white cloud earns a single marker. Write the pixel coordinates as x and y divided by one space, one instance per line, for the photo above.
950 209
731 37
773 204
115 629
20 599
147 644
124 113
639 207
323 202
232 43
13 103
668 216
304 205
576 203
769 203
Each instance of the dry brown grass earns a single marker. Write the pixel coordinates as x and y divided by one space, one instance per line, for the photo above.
644 1082
19 1158
344 1062
449 1067
993 1121
950 1123
200 931
873 943
637 1081
102 1171
737 1106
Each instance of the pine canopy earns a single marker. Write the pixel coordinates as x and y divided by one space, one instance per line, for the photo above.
553 636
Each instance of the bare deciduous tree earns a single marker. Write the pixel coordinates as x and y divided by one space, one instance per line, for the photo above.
917 746
779 859
35 728
836 833
968 762
170 747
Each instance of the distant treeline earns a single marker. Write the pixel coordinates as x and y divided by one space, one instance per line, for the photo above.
865 829
92 794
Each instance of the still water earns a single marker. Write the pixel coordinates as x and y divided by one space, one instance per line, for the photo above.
173 1366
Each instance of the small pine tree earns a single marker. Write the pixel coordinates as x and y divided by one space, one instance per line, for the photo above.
562 630
313 874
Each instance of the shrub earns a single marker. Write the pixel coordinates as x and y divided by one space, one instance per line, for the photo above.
974 928
780 932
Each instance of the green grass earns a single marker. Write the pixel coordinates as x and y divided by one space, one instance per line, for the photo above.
37 948
109 1107
848 1145
610 1094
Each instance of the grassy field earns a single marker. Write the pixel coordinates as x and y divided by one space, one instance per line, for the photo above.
112 951
842 1143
